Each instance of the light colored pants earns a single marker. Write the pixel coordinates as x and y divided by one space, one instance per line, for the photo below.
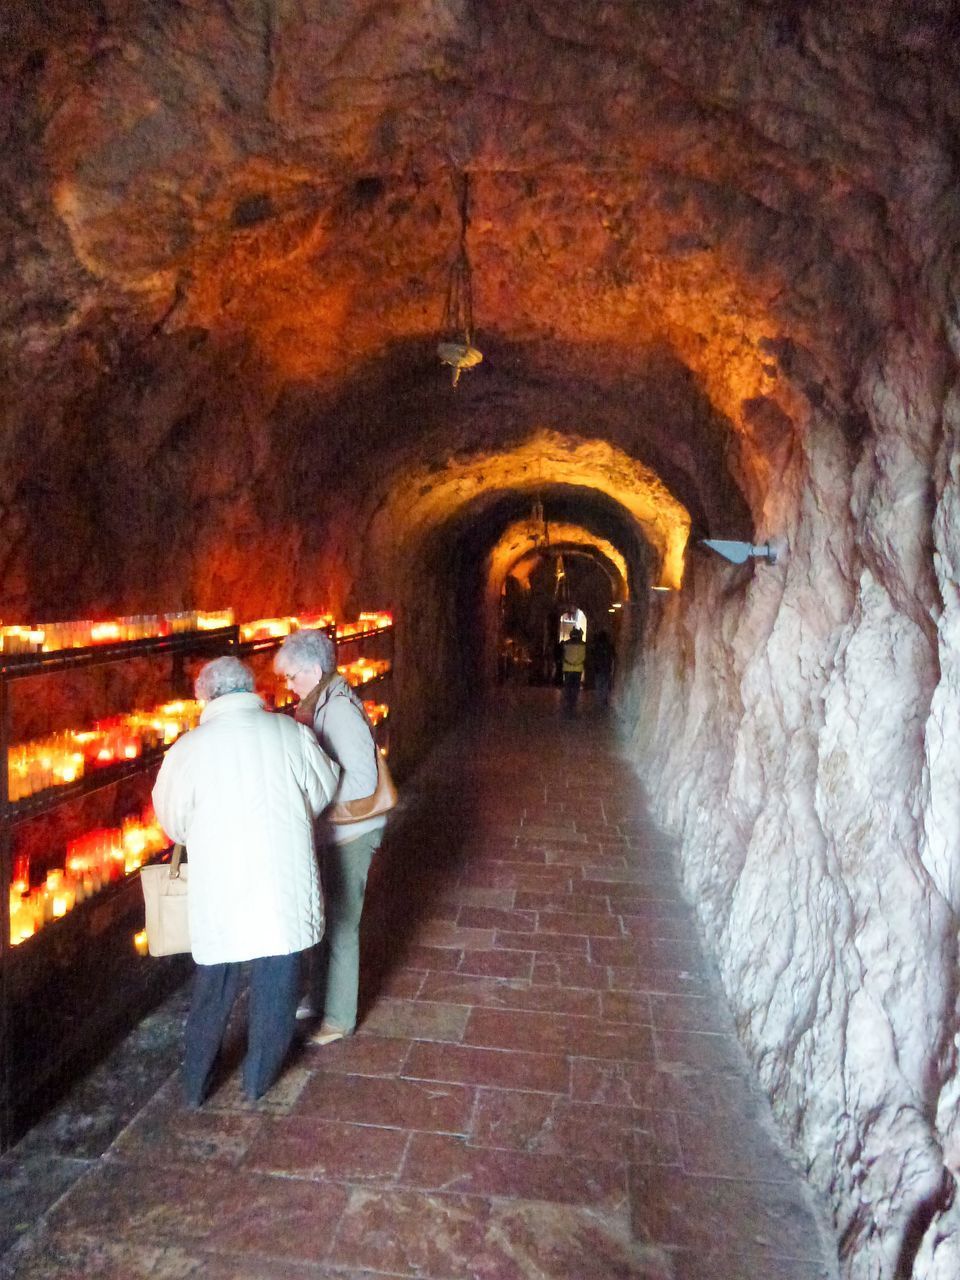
335 973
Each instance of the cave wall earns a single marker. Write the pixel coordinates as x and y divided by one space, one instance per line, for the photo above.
798 728
717 238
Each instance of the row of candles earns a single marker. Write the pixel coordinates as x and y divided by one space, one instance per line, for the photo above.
93 860
375 621
62 758
363 670
50 636
97 858
276 628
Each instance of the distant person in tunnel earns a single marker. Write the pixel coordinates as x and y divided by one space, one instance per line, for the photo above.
243 791
601 659
307 661
574 659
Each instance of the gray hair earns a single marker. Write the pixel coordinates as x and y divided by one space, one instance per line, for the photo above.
302 649
222 676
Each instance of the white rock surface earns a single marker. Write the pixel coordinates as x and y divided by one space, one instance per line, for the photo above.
805 746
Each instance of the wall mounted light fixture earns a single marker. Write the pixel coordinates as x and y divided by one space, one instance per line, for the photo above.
740 552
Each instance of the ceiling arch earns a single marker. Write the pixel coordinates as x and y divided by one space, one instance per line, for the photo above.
524 539
432 496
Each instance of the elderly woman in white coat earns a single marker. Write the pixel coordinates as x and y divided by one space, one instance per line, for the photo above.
242 791
307 661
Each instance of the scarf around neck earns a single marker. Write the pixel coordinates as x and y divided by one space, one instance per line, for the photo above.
307 707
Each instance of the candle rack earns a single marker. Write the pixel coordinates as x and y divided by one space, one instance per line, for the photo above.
14 666
68 990
106 776
376 643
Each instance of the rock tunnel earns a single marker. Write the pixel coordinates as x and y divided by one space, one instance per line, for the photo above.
713 268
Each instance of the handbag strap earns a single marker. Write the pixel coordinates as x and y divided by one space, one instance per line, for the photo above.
175 862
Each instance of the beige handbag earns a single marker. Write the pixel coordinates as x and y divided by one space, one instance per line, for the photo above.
165 899
382 801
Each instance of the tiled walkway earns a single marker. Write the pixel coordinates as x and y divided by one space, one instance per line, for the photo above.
545 1085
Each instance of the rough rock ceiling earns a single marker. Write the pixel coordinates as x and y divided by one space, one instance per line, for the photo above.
698 214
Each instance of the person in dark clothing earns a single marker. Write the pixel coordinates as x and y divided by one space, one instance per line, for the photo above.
602 658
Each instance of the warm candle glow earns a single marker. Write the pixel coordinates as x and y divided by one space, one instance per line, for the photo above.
93 860
365 622
267 628
363 670
84 632
63 757
314 621
98 857
18 639
103 632
214 621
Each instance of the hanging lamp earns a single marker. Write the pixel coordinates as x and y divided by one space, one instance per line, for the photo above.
456 347
538 522
561 588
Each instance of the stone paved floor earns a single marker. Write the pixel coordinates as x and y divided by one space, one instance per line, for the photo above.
545 1085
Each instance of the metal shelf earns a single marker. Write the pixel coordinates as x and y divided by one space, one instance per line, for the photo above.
65 991
263 645
364 635
266 643
14 666
384 675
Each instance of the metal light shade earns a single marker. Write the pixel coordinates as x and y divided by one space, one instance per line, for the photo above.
740 552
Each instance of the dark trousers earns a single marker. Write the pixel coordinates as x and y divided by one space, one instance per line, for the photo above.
274 987
571 692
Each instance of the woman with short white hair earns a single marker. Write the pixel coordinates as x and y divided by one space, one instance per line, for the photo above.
307 661
242 791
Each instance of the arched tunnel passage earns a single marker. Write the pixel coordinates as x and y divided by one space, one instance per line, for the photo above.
545 596
715 245
586 522
456 573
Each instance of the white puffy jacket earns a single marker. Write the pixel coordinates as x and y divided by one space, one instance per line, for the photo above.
241 791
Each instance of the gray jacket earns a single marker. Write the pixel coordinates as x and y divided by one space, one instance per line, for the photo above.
344 733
